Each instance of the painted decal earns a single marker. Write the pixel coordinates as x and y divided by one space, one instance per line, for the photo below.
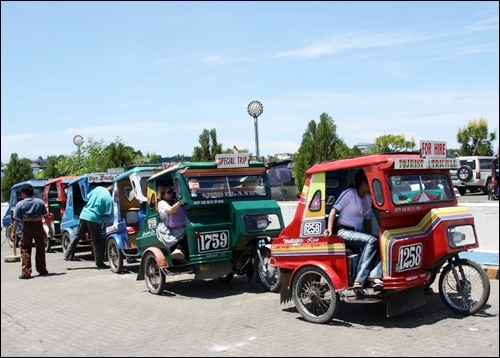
424 228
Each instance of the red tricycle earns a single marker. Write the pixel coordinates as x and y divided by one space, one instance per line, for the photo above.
421 232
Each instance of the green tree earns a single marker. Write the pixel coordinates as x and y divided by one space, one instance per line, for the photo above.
209 147
356 151
392 143
452 153
320 142
118 155
155 159
91 157
475 139
51 171
16 171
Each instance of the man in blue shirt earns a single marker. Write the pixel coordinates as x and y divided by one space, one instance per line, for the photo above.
98 209
30 210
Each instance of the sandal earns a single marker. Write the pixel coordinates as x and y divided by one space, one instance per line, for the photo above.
357 285
376 284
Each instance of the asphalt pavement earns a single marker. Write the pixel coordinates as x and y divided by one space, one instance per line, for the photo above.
78 311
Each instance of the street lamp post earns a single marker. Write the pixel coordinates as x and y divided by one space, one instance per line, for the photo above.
78 141
255 109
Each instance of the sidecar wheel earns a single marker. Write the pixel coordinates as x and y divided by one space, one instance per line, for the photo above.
474 291
65 240
154 277
314 295
115 256
48 244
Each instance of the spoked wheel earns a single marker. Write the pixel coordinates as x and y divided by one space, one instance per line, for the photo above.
8 230
269 276
48 244
115 256
154 277
314 295
65 240
464 288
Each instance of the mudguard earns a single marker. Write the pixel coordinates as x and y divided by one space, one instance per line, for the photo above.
288 276
160 258
118 239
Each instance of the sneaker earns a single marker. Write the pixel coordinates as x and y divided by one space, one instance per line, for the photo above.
102 267
177 255
44 273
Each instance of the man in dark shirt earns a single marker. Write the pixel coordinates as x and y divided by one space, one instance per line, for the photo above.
30 210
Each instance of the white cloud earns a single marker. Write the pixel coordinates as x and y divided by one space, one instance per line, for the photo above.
486 24
355 40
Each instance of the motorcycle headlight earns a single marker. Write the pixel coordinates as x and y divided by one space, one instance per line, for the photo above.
255 222
461 235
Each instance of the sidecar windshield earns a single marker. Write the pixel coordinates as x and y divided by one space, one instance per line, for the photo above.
213 187
414 188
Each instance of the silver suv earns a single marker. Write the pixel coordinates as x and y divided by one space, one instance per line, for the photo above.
474 174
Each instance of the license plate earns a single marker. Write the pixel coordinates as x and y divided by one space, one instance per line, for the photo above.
213 241
410 257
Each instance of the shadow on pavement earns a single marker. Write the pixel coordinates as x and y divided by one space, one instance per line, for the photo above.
373 315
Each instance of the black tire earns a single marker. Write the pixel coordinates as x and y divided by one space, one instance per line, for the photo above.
65 240
226 278
8 230
462 190
314 295
154 277
474 291
48 244
464 173
269 276
115 256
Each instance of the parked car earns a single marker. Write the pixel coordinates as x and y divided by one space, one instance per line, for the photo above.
493 187
474 172
15 197
281 180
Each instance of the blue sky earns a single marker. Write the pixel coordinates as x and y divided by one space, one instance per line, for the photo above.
155 74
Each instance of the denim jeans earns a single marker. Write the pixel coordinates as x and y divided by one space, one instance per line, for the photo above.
369 261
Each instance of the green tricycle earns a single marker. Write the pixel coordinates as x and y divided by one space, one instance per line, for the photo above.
231 220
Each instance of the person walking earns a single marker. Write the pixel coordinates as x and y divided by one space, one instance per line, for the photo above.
30 211
93 218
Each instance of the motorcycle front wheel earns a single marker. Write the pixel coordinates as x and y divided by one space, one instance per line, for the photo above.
269 276
464 287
